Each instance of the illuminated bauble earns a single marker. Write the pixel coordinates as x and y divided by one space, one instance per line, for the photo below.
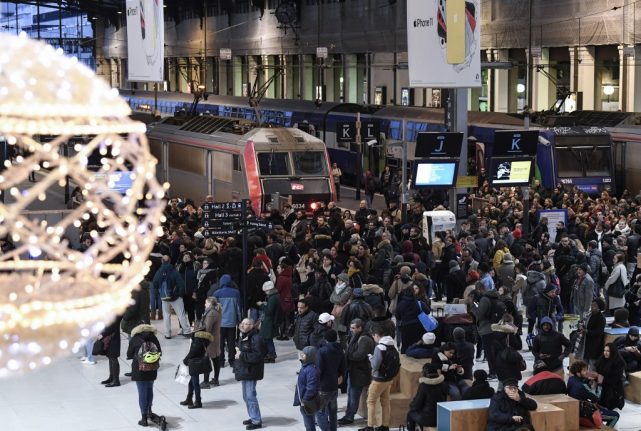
53 297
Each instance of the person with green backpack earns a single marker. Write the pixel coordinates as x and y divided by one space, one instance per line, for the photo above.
145 352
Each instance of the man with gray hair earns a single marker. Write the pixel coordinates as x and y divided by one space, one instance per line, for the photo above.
249 367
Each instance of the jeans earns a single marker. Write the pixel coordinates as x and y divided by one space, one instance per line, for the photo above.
610 417
456 390
194 386
89 350
369 199
378 390
249 396
228 336
179 308
353 399
154 300
309 421
145 395
327 416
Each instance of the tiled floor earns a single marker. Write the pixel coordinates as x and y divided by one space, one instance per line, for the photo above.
68 396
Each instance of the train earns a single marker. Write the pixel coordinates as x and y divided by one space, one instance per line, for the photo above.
234 159
588 150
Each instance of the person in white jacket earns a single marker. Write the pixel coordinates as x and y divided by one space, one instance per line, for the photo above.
619 270
385 362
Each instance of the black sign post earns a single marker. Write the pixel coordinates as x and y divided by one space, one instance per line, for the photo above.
516 143
346 131
436 145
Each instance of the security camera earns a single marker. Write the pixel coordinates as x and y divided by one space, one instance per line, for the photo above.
544 141
372 143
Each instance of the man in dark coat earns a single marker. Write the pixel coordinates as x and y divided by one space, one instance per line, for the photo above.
629 348
357 308
432 390
550 346
249 367
304 325
359 346
138 312
509 409
110 337
480 389
331 368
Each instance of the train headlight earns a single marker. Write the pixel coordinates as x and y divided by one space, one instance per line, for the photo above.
314 205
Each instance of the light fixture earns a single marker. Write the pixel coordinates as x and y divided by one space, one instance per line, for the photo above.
520 88
53 297
608 90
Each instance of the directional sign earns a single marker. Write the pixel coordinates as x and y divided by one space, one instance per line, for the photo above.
515 143
346 131
434 144
222 218
259 224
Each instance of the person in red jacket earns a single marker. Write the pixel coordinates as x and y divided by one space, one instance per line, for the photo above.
284 287
544 382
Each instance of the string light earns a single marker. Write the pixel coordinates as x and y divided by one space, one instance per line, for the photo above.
53 297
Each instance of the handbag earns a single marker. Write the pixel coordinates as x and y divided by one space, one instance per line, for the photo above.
617 289
310 407
337 311
428 321
201 365
182 374
101 346
589 415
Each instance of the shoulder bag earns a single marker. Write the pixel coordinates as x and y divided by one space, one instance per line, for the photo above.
428 321
310 407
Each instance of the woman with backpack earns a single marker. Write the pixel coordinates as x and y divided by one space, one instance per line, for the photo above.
198 364
144 351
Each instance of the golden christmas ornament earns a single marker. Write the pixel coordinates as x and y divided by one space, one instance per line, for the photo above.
53 297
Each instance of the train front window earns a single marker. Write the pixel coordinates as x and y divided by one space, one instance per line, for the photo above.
568 163
309 163
597 162
273 163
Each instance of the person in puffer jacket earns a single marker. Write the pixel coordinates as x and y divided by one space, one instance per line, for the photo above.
509 409
432 390
229 299
198 349
307 385
550 346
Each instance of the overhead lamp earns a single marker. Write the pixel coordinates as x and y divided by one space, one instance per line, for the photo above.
520 88
608 90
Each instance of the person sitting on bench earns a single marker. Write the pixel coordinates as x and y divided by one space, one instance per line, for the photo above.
509 409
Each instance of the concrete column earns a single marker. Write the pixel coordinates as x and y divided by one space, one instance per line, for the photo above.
490 81
582 74
624 62
308 81
238 76
632 86
501 84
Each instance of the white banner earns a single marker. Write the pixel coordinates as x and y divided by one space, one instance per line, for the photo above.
444 49
145 40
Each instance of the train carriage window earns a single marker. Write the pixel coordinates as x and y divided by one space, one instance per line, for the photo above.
597 162
155 148
236 160
186 158
309 163
273 163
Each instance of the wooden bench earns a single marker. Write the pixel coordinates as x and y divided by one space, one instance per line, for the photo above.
612 334
548 417
399 406
569 405
633 390
462 415
411 370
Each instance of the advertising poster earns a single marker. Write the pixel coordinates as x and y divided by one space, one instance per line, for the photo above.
554 216
145 40
443 43
511 172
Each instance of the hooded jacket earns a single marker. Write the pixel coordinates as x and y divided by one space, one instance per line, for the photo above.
535 283
198 348
331 365
307 384
139 335
503 408
431 391
229 298
549 345
173 276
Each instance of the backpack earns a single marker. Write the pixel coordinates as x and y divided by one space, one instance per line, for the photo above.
391 364
167 288
148 356
497 310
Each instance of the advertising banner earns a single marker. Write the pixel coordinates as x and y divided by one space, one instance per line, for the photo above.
145 40
443 43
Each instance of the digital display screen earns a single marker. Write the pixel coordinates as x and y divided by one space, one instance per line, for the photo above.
511 172
435 174
119 181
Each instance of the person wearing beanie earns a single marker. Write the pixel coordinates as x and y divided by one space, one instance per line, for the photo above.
548 304
630 349
432 390
480 388
307 384
621 318
550 346
464 352
331 368
269 309
423 348
544 382
357 308
509 408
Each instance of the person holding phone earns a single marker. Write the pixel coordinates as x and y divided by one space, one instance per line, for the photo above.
509 408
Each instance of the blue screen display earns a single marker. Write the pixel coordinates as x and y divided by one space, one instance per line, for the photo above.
435 174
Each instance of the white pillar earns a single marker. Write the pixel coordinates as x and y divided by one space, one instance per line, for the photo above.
542 87
586 74
501 84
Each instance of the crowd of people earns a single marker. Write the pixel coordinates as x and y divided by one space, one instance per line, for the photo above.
356 289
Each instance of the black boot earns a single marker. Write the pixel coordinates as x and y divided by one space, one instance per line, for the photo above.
113 384
188 401
143 422
196 405
105 382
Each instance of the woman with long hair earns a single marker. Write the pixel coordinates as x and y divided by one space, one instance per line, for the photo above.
211 319
610 368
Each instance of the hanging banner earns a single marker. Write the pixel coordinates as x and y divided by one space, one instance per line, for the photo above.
145 40
443 43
